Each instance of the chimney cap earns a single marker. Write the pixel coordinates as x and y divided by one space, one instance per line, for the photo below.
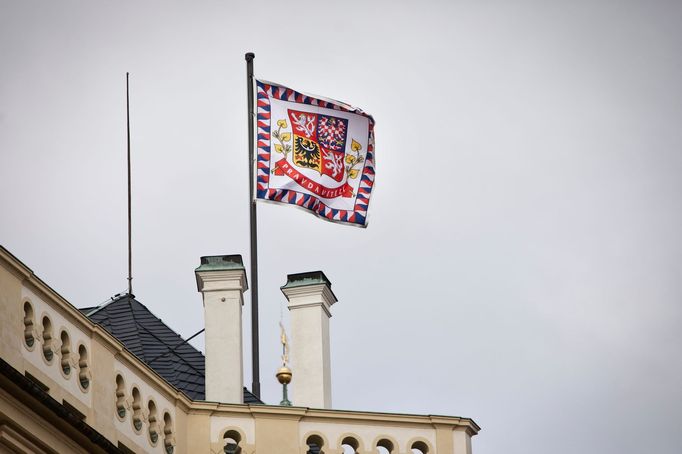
308 278
221 263
305 279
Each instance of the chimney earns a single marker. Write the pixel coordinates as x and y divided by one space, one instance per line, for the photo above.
310 299
222 281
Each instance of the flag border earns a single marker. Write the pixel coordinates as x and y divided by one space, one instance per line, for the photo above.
312 204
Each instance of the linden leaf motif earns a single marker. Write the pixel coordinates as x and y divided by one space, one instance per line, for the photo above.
279 148
353 173
350 159
282 123
286 137
355 145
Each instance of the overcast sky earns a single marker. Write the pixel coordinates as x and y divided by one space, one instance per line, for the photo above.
523 262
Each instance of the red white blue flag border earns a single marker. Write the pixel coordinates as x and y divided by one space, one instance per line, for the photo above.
358 216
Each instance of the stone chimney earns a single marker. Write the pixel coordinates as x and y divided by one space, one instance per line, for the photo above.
222 281
310 299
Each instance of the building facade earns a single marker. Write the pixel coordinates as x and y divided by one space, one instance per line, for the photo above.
115 379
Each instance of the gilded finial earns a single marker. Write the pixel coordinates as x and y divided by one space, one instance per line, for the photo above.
285 345
284 373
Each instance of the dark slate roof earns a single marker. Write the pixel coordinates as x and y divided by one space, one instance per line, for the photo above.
153 342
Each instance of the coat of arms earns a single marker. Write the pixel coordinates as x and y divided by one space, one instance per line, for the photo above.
319 142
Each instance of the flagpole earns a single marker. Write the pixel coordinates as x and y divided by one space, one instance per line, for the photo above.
130 242
255 385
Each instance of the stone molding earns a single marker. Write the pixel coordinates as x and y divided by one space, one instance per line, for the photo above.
310 295
221 280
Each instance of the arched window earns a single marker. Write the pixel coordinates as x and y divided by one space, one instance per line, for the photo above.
385 446
315 444
231 441
83 367
29 331
168 435
65 351
153 422
137 409
349 445
419 447
48 352
120 396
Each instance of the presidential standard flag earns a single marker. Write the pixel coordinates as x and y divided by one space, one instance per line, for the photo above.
315 153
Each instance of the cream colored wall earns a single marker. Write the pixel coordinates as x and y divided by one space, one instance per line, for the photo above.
244 424
277 434
70 385
285 430
223 336
147 391
368 433
103 390
311 386
309 313
461 441
11 320
222 292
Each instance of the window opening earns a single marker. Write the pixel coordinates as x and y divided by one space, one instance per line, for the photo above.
168 436
419 447
315 444
29 337
153 422
120 396
65 351
349 445
385 446
84 368
231 441
48 353
137 409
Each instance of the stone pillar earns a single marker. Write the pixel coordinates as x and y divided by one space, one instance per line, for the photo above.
222 281
310 299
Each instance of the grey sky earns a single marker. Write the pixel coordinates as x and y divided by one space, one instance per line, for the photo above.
523 262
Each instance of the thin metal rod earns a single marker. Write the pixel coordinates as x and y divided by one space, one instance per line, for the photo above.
130 243
255 385
172 350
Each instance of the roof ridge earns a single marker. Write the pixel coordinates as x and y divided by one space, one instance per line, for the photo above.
113 299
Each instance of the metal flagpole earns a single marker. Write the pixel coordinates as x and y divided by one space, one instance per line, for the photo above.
255 385
130 247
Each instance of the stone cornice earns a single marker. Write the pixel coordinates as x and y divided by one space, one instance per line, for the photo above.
338 416
216 280
310 295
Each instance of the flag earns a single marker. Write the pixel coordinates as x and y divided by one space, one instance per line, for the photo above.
314 153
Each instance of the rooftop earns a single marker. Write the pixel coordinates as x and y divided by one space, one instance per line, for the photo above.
156 344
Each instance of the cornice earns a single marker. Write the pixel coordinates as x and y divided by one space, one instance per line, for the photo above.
216 280
316 290
342 416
